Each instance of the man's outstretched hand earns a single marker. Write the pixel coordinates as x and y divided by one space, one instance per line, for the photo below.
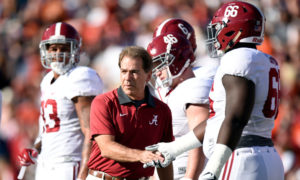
166 151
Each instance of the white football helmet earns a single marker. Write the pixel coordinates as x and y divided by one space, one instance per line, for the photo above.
60 33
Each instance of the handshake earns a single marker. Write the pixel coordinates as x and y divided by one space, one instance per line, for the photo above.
166 151
185 143
172 149
169 152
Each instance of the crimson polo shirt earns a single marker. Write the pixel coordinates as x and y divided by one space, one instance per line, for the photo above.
114 113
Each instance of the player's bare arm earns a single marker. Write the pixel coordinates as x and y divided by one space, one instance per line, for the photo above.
82 105
166 173
196 113
200 130
240 95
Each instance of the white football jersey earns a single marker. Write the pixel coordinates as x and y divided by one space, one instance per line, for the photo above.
263 71
191 91
206 67
61 134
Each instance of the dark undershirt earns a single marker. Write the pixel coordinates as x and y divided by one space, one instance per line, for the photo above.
137 103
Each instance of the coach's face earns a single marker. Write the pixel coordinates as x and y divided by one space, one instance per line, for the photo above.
133 77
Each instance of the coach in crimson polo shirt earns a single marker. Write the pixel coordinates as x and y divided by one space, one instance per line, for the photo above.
126 120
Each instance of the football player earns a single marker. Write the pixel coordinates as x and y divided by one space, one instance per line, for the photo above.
186 95
203 67
174 26
67 91
244 102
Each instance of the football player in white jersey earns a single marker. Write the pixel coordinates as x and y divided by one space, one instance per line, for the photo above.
66 95
244 102
186 95
174 26
203 73
205 68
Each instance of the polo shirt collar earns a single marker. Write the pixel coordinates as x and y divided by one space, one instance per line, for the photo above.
124 99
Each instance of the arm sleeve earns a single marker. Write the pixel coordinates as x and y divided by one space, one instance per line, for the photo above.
198 91
84 82
100 117
240 64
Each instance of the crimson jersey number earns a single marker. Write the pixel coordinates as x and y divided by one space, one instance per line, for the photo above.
52 121
271 104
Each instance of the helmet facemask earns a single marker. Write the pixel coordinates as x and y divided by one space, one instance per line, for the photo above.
212 43
235 22
162 62
171 55
60 62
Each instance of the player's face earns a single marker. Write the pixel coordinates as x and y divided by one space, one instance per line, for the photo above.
162 73
57 49
133 77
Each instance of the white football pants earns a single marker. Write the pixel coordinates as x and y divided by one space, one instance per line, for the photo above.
91 177
61 171
253 163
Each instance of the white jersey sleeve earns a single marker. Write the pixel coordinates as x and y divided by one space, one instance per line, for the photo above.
207 68
240 64
83 81
190 91
196 90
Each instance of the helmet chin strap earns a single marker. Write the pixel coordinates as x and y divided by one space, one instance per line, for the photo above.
169 80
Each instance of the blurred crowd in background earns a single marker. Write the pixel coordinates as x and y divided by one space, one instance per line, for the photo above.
106 26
